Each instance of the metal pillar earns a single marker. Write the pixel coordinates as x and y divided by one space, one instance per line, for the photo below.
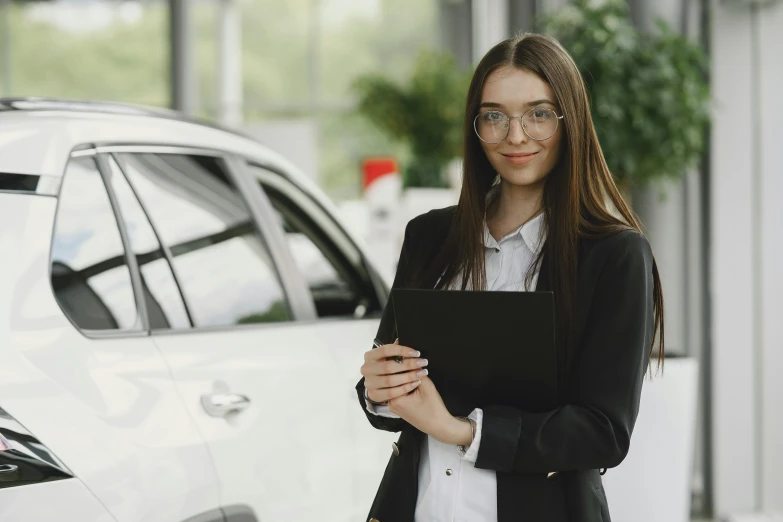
314 55
521 16
229 66
490 25
183 81
5 47
676 228
457 30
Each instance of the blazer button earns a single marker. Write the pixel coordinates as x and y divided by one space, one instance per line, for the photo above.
374 520
396 451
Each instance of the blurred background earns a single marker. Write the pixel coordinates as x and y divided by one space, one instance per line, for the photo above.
366 98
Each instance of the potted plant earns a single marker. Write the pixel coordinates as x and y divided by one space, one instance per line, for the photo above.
649 91
426 113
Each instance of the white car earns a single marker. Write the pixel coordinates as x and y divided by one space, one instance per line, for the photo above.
182 321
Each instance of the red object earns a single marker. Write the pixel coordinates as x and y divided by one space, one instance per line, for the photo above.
374 168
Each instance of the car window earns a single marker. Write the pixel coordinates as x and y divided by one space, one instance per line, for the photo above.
336 273
163 300
225 272
90 275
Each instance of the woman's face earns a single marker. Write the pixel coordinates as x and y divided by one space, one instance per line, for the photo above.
518 159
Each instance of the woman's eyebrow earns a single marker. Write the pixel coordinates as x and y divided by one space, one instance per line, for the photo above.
528 104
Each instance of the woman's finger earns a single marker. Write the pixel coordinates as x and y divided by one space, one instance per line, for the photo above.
390 367
387 394
390 350
380 382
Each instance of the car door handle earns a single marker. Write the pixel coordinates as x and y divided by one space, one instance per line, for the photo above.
221 404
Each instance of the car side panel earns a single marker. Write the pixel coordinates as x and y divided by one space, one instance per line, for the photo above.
106 407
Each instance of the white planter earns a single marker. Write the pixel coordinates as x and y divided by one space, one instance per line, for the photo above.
653 484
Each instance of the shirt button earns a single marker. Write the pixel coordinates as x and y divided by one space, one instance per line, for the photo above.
449 472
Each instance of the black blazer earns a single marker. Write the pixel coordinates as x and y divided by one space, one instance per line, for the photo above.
592 427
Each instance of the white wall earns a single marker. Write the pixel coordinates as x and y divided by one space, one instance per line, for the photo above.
746 221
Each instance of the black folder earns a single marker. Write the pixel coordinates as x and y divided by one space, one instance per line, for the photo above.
484 348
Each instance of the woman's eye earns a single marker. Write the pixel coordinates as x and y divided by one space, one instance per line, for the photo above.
541 114
494 116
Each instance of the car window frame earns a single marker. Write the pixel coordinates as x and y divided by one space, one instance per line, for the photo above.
333 230
139 329
104 160
293 286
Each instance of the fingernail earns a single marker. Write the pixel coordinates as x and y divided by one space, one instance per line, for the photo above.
397 341
422 362
416 383
422 373
414 353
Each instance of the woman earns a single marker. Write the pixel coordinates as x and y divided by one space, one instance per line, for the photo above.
538 210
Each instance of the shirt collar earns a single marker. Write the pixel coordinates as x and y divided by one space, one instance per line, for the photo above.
532 233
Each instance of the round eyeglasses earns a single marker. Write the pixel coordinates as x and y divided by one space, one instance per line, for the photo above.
539 123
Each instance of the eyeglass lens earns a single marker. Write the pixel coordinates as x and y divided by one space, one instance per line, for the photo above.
538 123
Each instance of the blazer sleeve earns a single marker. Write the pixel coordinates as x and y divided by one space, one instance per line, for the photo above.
386 333
594 430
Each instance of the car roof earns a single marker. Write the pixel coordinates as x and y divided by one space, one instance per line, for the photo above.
103 107
37 104
38 135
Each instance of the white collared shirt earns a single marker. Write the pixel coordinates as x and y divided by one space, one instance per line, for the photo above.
451 488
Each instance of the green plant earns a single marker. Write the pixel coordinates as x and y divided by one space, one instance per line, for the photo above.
426 114
649 91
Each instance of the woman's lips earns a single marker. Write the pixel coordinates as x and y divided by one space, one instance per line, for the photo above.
519 158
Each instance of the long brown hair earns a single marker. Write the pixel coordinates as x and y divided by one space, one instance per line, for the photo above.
575 194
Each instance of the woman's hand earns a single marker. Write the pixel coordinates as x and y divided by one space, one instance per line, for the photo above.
386 379
424 409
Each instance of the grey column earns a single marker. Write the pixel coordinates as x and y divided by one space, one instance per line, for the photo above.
229 66
457 30
5 47
521 16
747 246
676 228
665 219
490 25
183 81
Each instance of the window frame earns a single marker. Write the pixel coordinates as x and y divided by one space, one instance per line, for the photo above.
138 329
104 162
293 285
288 286
261 174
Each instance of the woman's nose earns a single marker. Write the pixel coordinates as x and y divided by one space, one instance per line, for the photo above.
516 134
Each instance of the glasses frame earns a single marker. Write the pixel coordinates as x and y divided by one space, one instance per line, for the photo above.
557 124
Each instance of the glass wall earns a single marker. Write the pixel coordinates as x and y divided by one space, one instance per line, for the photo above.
299 61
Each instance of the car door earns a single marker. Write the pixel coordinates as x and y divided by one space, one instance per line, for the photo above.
81 373
253 368
349 296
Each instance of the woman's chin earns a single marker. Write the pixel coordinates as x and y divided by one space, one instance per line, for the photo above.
522 178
